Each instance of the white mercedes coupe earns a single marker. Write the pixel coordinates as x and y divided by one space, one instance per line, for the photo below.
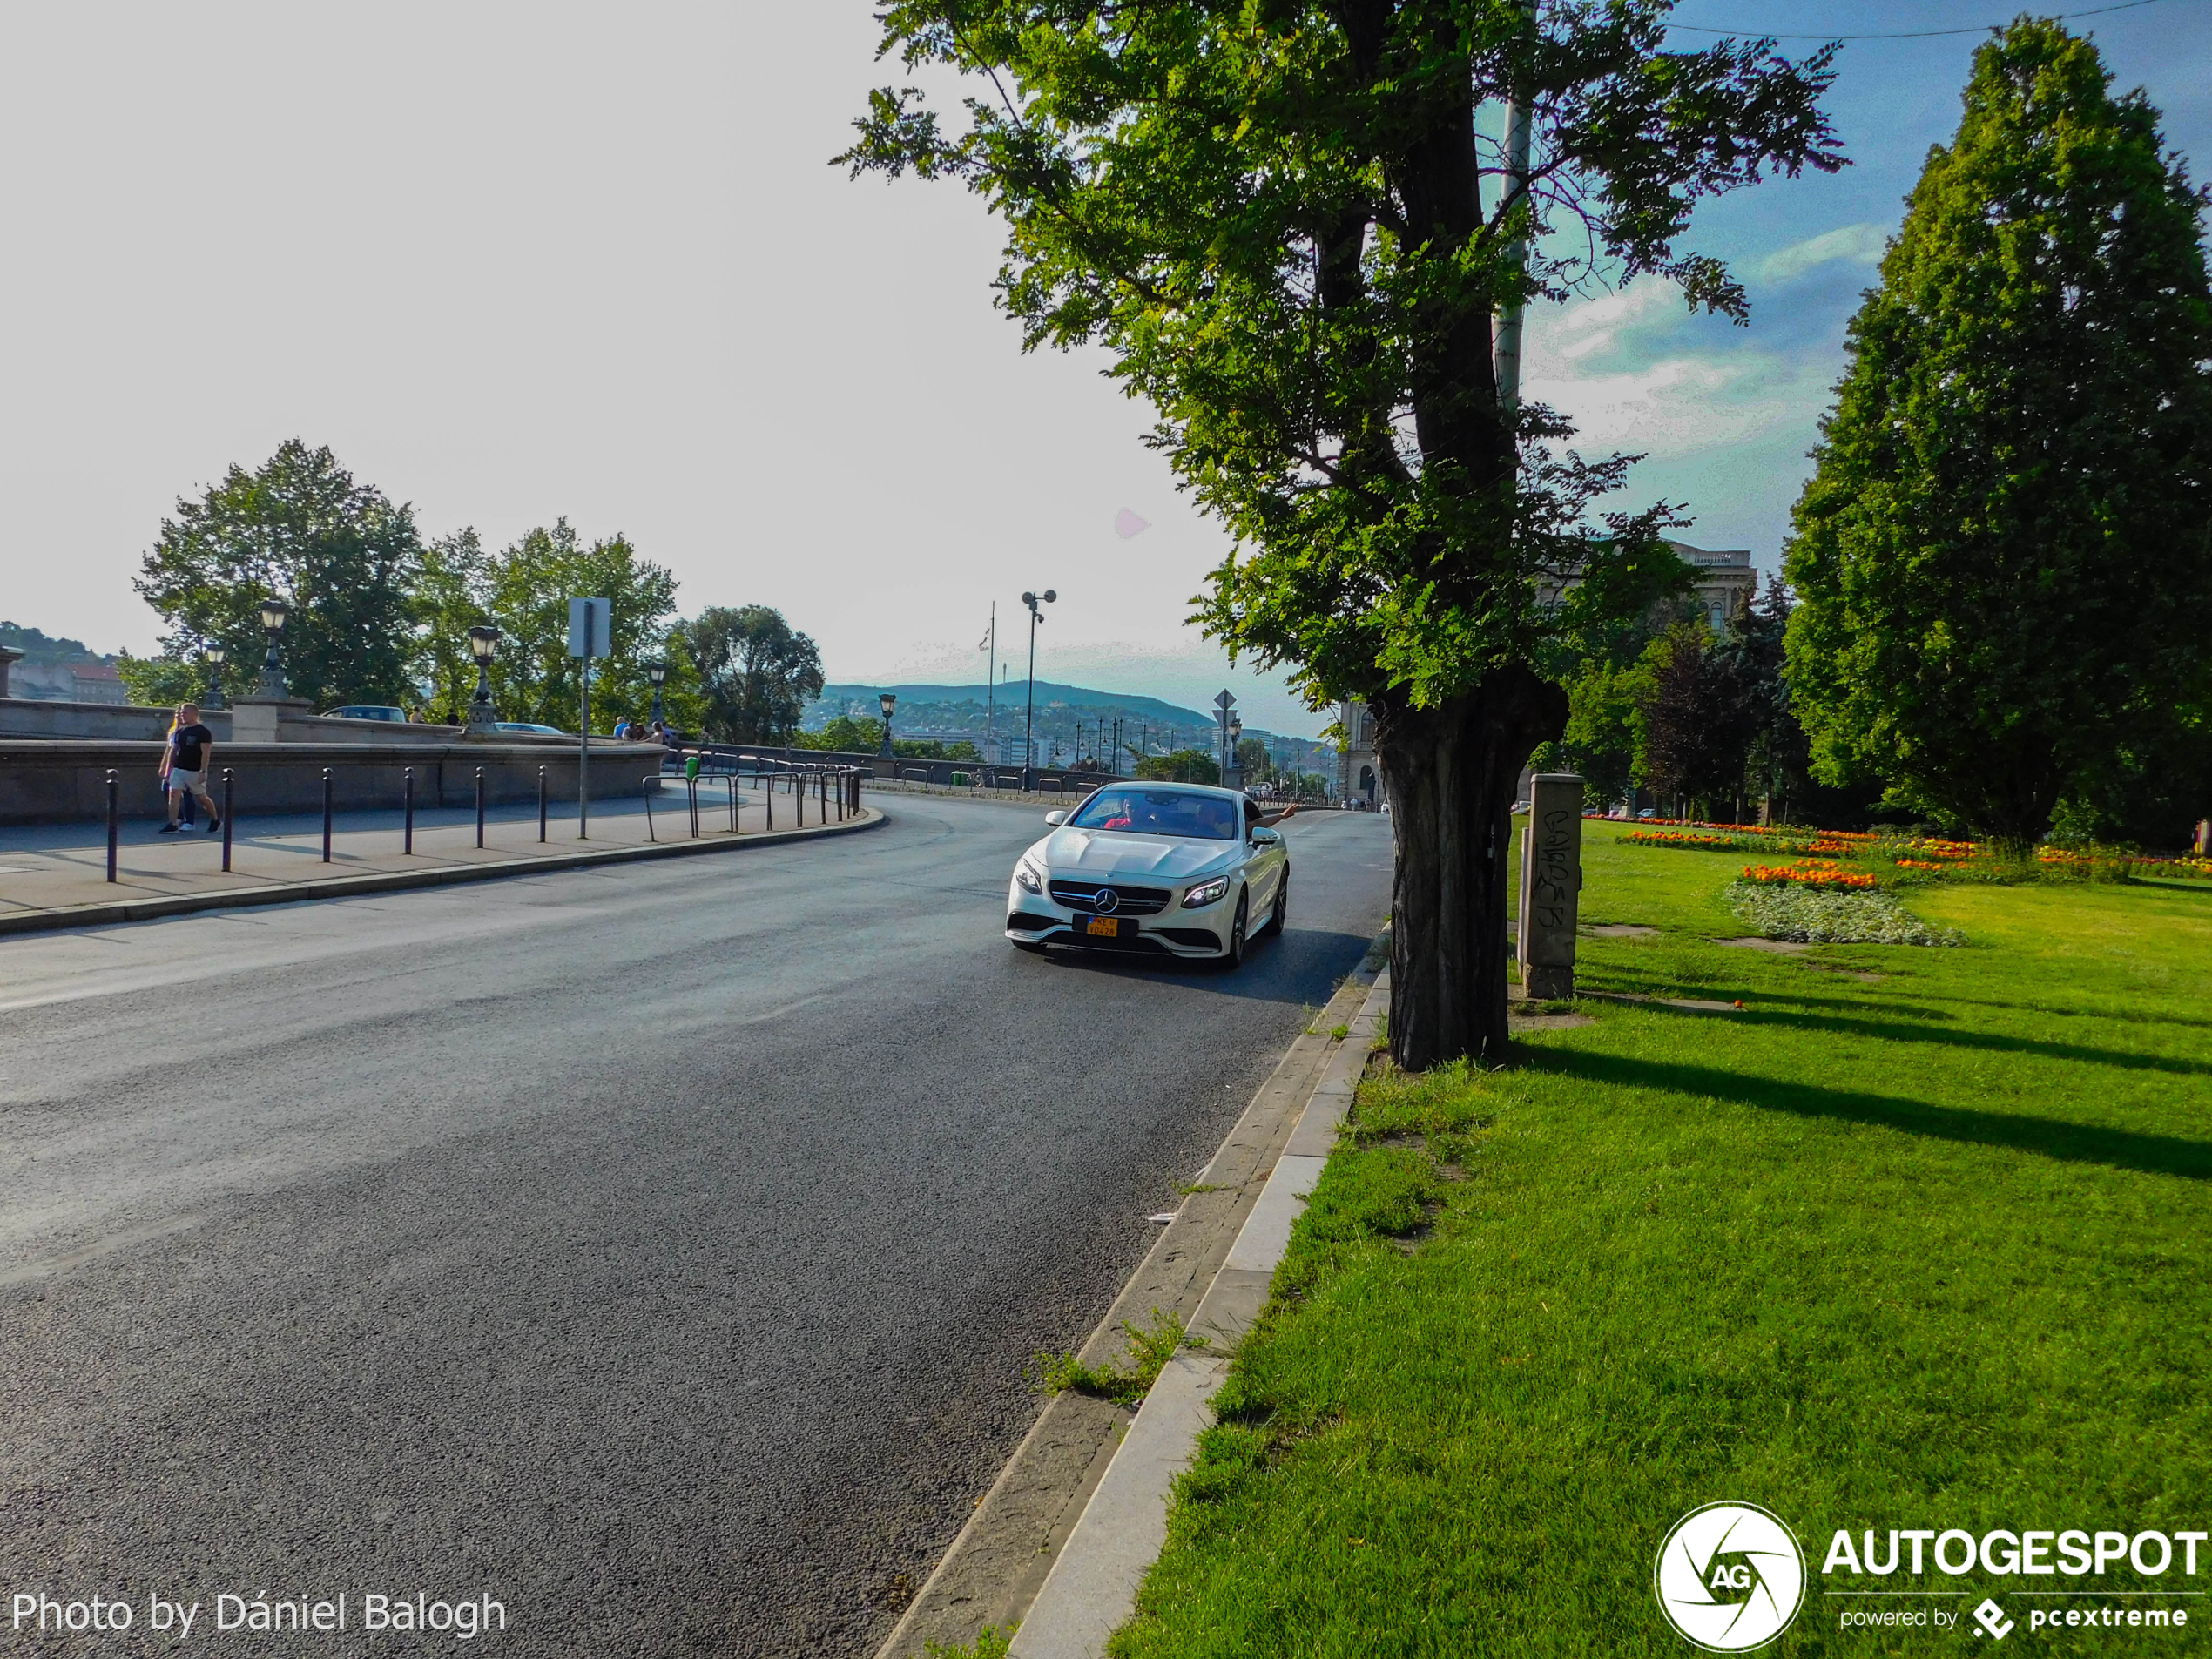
1166 869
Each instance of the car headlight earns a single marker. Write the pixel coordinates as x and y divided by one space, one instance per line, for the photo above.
1212 893
1030 879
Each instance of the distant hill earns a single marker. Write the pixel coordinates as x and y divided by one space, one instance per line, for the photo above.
37 646
1067 722
1013 694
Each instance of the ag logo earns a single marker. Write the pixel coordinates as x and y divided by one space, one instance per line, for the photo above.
1730 1577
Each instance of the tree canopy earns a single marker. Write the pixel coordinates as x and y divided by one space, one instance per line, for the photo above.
1286 225
298 529
2006 552
757 672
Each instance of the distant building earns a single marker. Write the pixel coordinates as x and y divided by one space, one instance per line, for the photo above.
1725 581
1359 771
1722 582
67 682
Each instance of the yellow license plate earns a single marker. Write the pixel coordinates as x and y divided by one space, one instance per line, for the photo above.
1103 927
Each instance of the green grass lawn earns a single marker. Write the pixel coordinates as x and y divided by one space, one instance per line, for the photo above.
1925 1250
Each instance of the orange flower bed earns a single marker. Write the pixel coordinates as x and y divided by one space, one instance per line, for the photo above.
1682 838
1807 874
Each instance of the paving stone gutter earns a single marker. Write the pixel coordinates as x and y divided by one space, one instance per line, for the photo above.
1062 1539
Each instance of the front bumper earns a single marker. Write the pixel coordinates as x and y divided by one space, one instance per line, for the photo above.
1038 918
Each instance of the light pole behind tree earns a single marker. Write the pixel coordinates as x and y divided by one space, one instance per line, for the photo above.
657 674
1029 720
212 656
483 645
886 701
274 612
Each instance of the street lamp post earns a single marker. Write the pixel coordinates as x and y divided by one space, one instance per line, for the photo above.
886 701
483 645
274 612
1029 720
1235 776
212 656
657 674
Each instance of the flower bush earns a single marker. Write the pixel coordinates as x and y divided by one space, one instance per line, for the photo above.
1692 838
1845 916
1808 872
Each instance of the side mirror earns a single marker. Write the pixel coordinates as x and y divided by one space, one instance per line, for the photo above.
1265 837
1055 818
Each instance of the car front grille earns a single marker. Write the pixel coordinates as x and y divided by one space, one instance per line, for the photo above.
1129 901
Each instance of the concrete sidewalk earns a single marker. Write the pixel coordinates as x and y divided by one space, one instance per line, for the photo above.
56 876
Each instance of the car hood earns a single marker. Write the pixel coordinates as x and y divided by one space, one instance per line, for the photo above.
1102 853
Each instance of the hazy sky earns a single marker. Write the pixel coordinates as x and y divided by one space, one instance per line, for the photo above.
513 262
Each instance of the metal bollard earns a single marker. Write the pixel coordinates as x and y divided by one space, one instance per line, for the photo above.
650 783
691 796
768 798
230 784
480 807
406 781
731 779
541 803
799 797
325 815
113 825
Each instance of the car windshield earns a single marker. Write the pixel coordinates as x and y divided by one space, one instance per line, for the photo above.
1159 812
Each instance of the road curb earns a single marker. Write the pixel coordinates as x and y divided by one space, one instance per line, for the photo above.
345 887
1092 1588
1023 1526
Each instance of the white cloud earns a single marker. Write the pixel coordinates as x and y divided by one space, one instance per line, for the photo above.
1592 325
1860 244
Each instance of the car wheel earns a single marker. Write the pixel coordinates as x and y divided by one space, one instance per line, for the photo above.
1282 903
1034 947
1233 958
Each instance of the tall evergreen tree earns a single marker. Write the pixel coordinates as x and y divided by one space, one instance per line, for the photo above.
2005 553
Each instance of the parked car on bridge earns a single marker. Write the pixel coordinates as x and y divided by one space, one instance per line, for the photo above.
1166 869
367 712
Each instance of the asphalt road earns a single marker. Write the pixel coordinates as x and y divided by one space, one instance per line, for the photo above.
659 1249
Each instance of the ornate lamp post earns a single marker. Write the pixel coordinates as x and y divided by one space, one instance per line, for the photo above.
657 674
212 656
886 701
483 645
1029 720
273 613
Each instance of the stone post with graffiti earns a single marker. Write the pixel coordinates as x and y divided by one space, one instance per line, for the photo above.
1551 886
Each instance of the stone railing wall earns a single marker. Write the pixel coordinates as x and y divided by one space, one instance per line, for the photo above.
66 782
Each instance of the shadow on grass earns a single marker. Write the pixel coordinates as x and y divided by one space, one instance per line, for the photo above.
1662 985
1889 1031
1892 1029
2048 1137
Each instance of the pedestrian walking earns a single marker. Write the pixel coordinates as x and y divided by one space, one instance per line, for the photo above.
173 724
185 767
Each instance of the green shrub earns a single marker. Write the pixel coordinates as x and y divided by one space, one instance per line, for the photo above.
1856 916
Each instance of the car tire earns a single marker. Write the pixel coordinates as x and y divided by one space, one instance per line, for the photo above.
1233 958
1034 947
1282 903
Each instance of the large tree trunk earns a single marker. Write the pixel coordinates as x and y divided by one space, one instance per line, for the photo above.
1451 773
